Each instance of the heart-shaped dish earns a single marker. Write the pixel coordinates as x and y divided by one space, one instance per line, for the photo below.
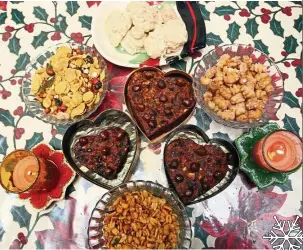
195 136
159 102
107 119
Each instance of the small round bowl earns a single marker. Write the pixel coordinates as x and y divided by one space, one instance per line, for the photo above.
210 59
95 225
40 61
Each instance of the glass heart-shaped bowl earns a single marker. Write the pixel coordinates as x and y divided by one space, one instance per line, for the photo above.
96 239
40 61
211 58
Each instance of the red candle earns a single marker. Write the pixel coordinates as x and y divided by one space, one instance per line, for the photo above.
280 151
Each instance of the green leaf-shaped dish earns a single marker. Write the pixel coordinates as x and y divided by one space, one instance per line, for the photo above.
261 177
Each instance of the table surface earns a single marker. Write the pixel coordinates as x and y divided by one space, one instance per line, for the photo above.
236 218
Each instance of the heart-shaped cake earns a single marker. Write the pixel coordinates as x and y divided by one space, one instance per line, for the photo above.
105 153
159 101
194 169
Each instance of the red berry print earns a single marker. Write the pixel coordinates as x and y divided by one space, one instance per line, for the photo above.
27 76
287 64
13 82
244 12
284 53
91 3
296 62
16 244
77 37
1 78
227 17
54 132
20 235
299 92
6 36
265 18
273 59
284 76
5 94
52 20
20 81
13 71
265 11
18 111
56 36
18 132
287 11
29 27
3 5
9 28
24 240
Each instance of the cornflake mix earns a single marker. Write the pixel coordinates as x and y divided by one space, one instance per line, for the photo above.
237 89
139 220
70 84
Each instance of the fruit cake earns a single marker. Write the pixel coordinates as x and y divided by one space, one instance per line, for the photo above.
159 102
194 169
105 153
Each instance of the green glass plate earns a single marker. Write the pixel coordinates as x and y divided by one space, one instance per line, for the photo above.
261 177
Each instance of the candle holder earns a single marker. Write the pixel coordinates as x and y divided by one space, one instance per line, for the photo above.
22 171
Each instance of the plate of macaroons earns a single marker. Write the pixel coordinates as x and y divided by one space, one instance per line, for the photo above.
132 34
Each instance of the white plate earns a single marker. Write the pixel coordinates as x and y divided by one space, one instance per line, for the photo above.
102 43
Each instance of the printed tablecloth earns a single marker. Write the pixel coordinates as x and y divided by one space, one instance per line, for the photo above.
236 218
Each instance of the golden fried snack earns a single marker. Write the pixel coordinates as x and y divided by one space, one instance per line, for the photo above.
70 84
237 89
139 220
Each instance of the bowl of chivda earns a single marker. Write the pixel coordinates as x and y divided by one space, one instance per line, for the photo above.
65 84
238 86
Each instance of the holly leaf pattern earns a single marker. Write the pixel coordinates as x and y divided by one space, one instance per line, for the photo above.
21 216
22 62
291 100
252 4
261 46
212 39
55 143
142 57
85 21
40 39
3 145
299 72
199 232
61 129
180 65
189 211
252 26
203 120
72 7
17 16
205 13
276 27
40 13
1 232
6 118
14 45
3 17
38 245
222 136
224 10
286 186
290 44
297 24
272 3
61 24
233 32
290 124
36 138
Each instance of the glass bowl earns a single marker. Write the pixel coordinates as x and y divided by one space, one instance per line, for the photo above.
210 59
95 234
40 61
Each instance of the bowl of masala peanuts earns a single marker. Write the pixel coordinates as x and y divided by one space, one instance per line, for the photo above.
238 86
65 84
139 215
